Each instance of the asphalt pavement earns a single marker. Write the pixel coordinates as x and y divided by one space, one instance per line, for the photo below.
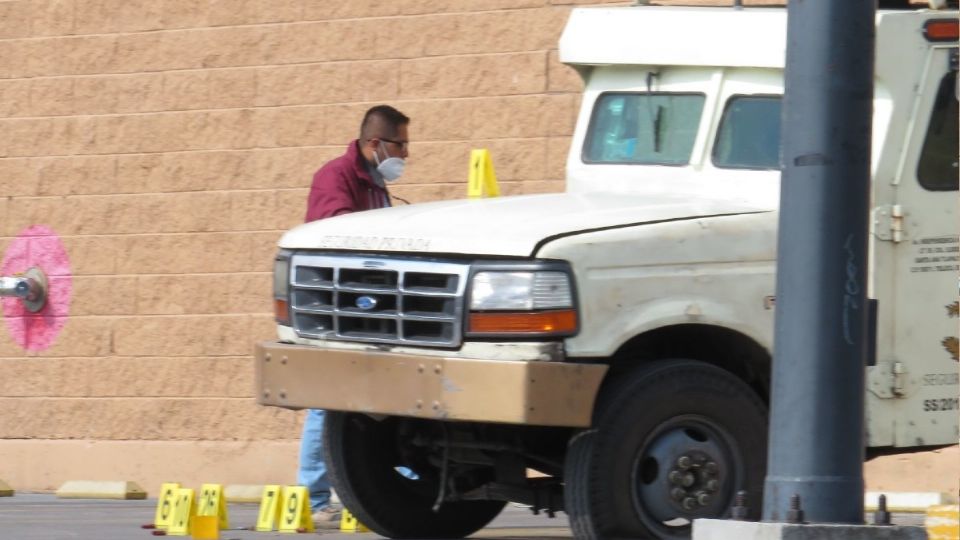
33 516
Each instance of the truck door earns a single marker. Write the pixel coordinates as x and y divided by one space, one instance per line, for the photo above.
923 365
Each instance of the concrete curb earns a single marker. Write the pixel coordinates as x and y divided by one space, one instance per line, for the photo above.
5 489
719 529
908 502
253 493
90 489
242 493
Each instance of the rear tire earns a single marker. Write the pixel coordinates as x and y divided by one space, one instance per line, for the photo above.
672 442
362 456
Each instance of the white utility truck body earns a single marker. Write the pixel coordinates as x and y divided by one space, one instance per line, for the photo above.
581 334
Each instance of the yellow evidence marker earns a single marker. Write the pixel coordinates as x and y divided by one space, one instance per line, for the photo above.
205 528
350 524
168 492
269 516
213 503
482 181
184 508
295 510
943 522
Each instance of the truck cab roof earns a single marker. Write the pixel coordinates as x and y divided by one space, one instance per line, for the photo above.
697 36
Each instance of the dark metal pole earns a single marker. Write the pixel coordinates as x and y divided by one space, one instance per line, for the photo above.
816 425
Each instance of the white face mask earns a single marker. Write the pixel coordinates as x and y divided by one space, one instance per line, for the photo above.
391 168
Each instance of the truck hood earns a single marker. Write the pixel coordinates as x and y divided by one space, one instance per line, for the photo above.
505 226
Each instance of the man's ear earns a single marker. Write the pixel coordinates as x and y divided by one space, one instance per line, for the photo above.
368 148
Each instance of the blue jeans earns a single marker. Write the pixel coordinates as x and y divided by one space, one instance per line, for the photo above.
313 468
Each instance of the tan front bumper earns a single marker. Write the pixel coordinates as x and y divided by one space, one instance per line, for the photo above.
444 388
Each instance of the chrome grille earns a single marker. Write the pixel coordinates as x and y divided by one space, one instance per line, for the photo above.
378 300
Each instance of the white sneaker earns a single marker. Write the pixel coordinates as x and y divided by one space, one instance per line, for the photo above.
327 517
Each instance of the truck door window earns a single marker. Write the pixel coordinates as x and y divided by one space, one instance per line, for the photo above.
937 169
643 128
749 134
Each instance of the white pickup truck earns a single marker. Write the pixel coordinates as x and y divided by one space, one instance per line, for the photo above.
606 351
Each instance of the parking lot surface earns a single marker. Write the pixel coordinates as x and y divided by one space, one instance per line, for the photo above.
33 516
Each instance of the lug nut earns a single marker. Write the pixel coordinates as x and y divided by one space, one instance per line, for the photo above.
711 467
704 498
712 485
689 479
689 503
677 494
675 477
684 462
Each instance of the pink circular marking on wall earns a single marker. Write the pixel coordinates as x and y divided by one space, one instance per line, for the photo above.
40 247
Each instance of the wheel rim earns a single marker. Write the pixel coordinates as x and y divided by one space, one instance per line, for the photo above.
686 469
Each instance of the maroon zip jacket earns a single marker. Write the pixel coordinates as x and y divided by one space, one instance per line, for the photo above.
344 185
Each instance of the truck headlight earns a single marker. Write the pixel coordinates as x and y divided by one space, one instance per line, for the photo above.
528 302
281 287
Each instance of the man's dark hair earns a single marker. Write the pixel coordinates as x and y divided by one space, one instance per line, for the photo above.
381 121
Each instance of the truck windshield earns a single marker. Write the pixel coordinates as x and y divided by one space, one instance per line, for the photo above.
749 134
645 128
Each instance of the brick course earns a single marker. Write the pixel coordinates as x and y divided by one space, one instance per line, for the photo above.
171 143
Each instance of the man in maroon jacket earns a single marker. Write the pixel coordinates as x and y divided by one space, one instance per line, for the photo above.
352 182
357 180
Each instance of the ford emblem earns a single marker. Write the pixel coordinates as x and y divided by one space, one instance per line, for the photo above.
366 303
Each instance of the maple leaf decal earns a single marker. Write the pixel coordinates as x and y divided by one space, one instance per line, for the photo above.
953 310
952 345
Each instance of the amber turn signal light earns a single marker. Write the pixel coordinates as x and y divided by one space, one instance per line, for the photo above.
562 322
281 311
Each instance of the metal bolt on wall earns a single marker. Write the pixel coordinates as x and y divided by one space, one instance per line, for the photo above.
30 288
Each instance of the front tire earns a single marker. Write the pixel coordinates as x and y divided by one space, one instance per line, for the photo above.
672 442
363 454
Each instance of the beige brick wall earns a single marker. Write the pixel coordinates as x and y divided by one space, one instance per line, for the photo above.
170 142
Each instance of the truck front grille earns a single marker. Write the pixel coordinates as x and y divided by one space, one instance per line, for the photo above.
378 300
